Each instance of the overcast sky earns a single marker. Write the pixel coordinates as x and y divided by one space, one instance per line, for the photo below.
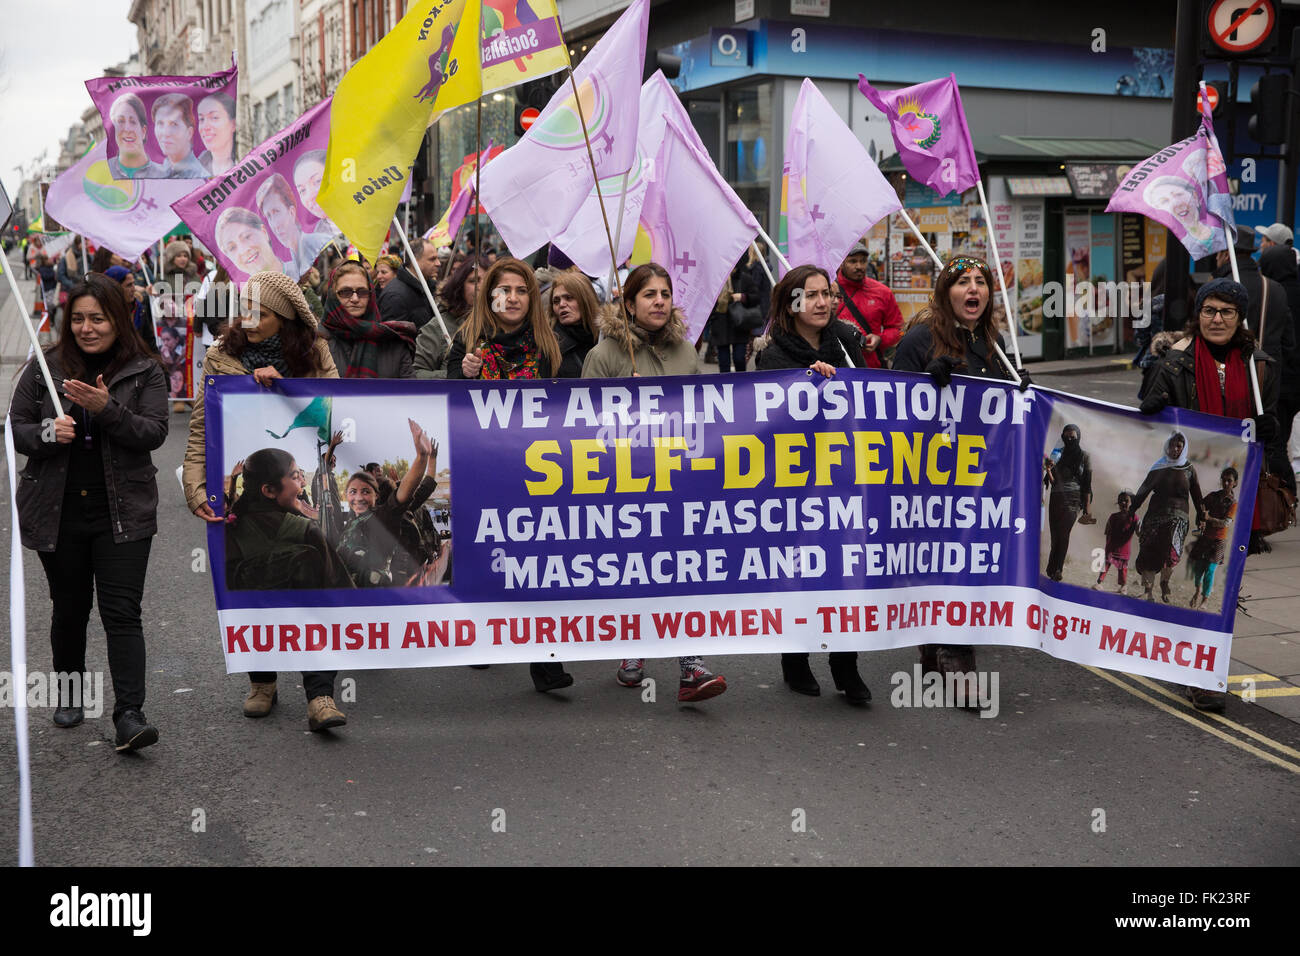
48 48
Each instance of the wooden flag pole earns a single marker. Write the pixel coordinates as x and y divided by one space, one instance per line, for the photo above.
478 162
577 102
618 228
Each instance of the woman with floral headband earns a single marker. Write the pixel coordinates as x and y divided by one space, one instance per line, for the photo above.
955 333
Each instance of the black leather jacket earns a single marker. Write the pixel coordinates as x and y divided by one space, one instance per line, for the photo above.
133 424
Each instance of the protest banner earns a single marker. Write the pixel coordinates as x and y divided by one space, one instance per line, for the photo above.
262 215
168 127
718 515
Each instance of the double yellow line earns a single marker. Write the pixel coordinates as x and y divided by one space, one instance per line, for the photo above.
1206 721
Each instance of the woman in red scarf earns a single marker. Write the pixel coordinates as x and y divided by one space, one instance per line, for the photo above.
362 343
1206 370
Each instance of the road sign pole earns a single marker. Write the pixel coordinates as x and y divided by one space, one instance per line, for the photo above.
1185 118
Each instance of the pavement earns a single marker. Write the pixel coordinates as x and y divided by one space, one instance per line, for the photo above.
1266 637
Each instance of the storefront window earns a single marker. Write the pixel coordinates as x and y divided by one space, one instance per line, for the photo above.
456 142
748 147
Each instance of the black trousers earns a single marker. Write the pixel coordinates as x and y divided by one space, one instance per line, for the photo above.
734 353
314 683
1061 515
86 561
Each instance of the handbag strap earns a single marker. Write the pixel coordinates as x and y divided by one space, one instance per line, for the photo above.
862 319
1263 309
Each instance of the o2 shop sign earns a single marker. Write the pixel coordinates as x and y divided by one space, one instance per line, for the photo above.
728 47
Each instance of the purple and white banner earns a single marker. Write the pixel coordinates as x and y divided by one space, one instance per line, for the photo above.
262 214
719 515
168 127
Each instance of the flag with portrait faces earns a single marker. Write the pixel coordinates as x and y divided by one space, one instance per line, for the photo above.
168 127
262 215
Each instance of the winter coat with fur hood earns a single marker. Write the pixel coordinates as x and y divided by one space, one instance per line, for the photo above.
666 352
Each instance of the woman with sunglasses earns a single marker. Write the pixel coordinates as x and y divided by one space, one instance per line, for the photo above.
363 343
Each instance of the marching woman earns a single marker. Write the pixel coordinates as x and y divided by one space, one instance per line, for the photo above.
87 499
506 335
646 337
810 338
1206 368
955 333
363 343
574 314
275 338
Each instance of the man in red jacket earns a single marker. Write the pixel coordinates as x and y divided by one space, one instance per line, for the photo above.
869 306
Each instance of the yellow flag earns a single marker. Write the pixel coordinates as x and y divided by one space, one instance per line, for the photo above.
427 64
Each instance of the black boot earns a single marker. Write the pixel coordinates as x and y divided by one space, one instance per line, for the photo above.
133 731
798 675
68 716
844 671
549 676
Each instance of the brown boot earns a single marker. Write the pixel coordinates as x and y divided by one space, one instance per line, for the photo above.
260 699
322 714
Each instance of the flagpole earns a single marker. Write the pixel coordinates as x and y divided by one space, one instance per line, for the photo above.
85 265
613 256
1002 356
36 342
1008 305
618 229
775 248
478 164
1236 277
423 283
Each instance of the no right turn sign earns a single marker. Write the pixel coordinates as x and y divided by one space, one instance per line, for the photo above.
1241 27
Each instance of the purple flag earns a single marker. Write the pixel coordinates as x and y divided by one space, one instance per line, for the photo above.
583 240
834 191
262 215
168 127
929 128
127 216
534 189
697 226
1184 187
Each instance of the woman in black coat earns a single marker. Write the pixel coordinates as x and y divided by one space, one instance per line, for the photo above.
1278 263
575 314
955 333
87 498
1207 370
749 289
809 337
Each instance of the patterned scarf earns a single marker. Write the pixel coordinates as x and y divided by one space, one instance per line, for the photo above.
267 352
512 355
362 336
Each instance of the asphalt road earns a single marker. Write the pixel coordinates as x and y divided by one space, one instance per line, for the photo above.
460 766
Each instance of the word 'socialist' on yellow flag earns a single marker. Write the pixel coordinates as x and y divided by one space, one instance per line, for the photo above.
383 106
434 60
